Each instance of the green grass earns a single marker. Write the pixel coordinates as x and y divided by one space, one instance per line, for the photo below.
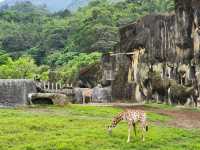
78 127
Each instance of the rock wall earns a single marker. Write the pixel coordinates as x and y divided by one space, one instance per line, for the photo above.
172 50
15 92
155 33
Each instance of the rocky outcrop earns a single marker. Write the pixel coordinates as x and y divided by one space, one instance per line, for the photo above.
48 98
171 44
155 33
183 30
168 90
179 94
88 76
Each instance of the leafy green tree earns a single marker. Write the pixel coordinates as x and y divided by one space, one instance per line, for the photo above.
43 72
7 70
71 69
63 14
38 54
60 58
157 6
4 57
23 68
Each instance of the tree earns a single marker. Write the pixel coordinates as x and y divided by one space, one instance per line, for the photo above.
71 69
4 57
23 68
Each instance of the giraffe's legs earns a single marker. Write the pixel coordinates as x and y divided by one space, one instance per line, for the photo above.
129 132
143 132
134 127
83 99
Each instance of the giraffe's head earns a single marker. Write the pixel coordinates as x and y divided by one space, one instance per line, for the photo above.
109 128
114 123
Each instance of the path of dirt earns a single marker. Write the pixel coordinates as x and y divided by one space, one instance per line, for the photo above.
181 118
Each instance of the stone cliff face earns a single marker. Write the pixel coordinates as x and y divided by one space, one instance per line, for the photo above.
196 27
171 43
156 33
165 37
183 29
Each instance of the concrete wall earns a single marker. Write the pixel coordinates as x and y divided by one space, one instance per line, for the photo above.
15 92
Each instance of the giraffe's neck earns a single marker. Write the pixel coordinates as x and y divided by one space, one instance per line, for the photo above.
117 120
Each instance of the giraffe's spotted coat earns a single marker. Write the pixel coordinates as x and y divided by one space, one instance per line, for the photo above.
132 117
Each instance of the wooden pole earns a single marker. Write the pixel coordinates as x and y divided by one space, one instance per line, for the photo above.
44 85
52 86
115 54
56 86
48 85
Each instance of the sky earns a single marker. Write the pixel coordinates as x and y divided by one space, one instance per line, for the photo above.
1 0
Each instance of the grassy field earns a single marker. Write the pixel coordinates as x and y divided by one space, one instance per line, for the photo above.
78 127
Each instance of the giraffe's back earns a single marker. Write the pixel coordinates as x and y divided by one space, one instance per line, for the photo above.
134 115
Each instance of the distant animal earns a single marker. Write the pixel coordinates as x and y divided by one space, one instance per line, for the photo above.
87 93
132 117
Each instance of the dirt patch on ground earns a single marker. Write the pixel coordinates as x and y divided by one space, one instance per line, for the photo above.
180 118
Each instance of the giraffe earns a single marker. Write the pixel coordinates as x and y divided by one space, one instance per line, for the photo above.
132 117
87 93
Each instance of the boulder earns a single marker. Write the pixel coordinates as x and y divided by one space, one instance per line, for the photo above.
48 98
